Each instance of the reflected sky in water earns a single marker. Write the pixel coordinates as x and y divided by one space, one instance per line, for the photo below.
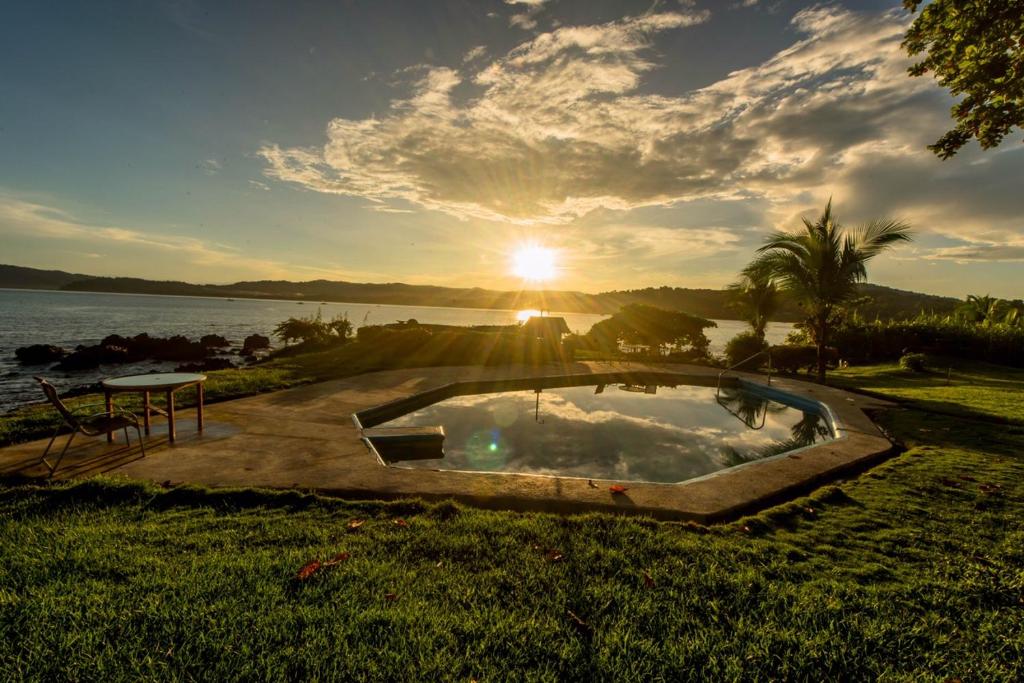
622 433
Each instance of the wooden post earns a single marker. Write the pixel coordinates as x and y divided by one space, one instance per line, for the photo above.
145 411
170 416
109 403
199 406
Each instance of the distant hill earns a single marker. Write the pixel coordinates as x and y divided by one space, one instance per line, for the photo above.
883 302
18 277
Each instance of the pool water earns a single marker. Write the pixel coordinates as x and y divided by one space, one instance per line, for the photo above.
622 432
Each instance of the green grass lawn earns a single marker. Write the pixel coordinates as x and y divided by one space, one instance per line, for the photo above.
911 571
956 387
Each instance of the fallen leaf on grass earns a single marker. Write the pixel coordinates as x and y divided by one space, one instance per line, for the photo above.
308 570
391 597
401 522
617 489
356 523
581 626
648 581
440 564
553 556
337 559
575 618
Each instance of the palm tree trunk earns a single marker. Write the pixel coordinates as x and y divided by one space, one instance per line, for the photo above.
822 340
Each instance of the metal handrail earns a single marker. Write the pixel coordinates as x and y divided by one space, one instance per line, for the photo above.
718 388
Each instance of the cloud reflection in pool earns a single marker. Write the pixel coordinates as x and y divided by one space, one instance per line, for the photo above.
621 433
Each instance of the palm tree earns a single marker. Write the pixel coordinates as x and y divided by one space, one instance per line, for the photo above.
984 310
821 266
756 297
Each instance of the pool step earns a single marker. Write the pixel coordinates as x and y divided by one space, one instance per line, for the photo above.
407 443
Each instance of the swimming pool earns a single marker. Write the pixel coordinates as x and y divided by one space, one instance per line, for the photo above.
639 431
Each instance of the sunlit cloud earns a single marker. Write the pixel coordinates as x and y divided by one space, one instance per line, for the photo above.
559 126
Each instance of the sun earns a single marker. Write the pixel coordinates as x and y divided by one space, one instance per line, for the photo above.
534 262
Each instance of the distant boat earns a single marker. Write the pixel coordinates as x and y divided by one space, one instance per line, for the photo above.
300 302
230 299
323 303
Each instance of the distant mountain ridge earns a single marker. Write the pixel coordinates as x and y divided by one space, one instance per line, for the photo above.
885 302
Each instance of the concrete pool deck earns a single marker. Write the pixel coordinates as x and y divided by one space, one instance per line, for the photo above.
305 438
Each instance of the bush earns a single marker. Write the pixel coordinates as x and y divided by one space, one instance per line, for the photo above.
913 361
742 347
934 335
792 358
314 331
645 325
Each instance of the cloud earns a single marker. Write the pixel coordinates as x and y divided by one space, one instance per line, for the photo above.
527 149
24 218
474 53
560 126
524 21
210 166
979 252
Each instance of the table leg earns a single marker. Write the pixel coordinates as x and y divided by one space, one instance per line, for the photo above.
199 407
145 411
170 416
108 401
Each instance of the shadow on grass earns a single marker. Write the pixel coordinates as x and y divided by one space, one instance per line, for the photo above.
919 425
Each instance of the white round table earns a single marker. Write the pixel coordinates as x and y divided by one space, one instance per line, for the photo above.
168 382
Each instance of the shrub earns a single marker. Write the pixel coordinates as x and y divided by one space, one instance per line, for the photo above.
742 347
888 341
793 358
314 331
913 361
648 326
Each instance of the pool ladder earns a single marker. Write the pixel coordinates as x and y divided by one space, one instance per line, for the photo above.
768 351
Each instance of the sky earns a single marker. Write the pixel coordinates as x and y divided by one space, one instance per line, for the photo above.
645 143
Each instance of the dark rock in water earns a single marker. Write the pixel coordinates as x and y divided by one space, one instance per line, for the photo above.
214 341
90 357
142 346
115 349
206 365
254 342
37 354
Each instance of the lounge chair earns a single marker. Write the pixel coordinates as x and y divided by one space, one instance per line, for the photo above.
94 424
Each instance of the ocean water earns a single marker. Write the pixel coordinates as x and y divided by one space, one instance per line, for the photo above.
68 319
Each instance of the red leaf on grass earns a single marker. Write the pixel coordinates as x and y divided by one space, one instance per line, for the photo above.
308 570
401 522
648 581
356 523
617 489
337 559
